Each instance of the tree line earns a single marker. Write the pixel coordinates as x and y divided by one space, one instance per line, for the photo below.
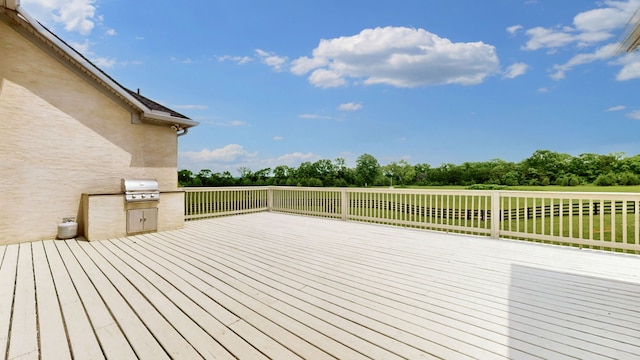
543 167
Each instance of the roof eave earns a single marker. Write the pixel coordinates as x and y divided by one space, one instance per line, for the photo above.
155 117
72 55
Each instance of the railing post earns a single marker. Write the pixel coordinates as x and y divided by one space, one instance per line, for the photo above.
344 198
495 214
270 198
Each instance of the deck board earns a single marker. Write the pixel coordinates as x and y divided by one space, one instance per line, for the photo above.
53 340
8 268
278 286
142 342
23 339
251 307
175 345
80 332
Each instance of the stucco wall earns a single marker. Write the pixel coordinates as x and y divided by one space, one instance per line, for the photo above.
61 136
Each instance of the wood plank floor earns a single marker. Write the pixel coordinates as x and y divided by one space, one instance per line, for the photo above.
277 286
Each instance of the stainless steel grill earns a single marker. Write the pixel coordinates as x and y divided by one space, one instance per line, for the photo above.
140 190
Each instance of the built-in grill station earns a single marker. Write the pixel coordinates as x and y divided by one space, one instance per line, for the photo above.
142 196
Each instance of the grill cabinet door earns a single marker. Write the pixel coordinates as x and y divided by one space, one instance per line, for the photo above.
139 220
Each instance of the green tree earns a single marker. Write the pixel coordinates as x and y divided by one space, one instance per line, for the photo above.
326 171
344 175
306 171
548 166
226 179
630 164
246 176
367 169
281 174
185 177
204 177
422 173
262 174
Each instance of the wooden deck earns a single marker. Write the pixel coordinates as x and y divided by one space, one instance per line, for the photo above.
277 286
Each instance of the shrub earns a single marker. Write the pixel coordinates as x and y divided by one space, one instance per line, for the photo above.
340 183
605 180
545 181
512 178
569 180
314 182
628 178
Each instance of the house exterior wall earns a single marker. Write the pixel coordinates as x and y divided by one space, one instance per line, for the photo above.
62 135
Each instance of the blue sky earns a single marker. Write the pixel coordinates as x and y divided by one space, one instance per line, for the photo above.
442 81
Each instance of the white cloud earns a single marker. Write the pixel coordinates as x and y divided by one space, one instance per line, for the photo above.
83 47
103 62
315 116
602 53
616 108
100 62
397 56
75 15
295 158
634 115
233 156
278 138
237 59
543 90
540 37
516 70
232 123
514 29
326 78
592 28
351 106
272 60
228 153
589 27
630 66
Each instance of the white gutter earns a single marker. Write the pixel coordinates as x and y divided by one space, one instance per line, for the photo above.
162 116
146 113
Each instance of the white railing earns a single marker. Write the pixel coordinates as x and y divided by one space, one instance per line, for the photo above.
201 203
609 221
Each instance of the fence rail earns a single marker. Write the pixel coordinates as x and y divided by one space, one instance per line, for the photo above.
609 221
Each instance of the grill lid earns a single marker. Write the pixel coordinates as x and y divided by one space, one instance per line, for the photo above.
140 190
138 185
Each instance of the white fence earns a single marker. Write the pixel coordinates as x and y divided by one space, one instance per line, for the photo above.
609 221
